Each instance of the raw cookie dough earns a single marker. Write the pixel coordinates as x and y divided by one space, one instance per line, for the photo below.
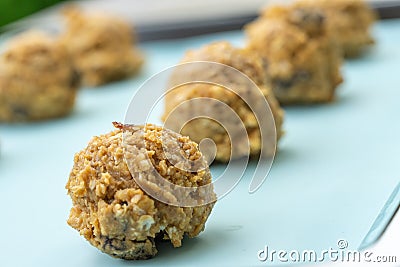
303 59
348 20
101 46
198 129
112 212
37 80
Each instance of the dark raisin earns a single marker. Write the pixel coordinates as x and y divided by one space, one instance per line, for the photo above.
286 84
265 62
114 244
282 84
310 20
75 79
302 75
20 112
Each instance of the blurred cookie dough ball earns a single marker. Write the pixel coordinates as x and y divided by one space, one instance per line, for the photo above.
102 47
114 213
223 105
348 20
303 61
37 80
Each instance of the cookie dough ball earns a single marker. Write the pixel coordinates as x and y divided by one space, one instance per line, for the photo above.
201 128
101 46
37 80
303 59
109 208
348 20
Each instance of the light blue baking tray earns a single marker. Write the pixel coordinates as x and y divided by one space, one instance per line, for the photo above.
336 167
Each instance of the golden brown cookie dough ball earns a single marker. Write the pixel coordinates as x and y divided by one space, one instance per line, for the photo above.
109 208
349 21
37 80
303 59
201 128
101 46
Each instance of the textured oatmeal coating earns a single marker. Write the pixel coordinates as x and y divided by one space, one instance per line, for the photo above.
113 213
242 60
349 21
37 80
101 46
304 60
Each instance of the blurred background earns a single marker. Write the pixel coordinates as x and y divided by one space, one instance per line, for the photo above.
10 12
156 19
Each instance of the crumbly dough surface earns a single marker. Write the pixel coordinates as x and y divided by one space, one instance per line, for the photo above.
37 81
349 21
101 46
198 129
113 213
303 59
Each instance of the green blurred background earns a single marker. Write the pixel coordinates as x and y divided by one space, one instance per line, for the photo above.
11 10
